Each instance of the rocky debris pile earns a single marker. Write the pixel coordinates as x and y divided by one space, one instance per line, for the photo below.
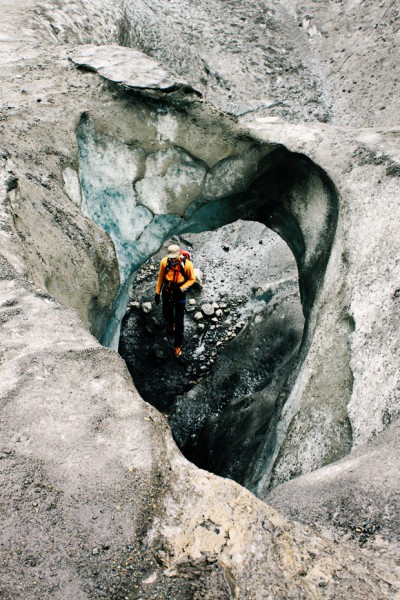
146 271
217 324
209 328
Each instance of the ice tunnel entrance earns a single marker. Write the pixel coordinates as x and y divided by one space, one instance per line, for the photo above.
238 351
173 172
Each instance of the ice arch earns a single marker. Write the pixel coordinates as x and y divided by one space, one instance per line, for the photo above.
168 171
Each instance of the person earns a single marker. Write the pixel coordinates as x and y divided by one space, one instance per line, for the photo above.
175 277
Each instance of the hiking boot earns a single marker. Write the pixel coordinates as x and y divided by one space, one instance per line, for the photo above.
178 352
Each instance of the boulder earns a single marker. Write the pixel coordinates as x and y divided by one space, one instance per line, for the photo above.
207 309
147 307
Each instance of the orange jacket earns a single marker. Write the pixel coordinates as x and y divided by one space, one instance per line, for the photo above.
175 275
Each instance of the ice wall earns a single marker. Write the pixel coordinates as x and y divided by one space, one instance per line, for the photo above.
108 171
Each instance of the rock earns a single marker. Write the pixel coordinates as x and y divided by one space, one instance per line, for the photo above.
207 309
192 301
72 185
128 67
152 578
199 278
200 326
147 307
219 313
198 316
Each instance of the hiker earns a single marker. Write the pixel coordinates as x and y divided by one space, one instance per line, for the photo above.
176 275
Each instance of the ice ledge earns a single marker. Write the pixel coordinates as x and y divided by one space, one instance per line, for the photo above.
130 68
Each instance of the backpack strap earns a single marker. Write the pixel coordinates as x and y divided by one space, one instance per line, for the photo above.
182 266
183 263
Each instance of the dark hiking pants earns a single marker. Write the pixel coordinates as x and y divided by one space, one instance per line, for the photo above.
173 303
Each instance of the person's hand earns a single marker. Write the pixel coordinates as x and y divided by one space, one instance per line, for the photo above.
181 293
157 298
